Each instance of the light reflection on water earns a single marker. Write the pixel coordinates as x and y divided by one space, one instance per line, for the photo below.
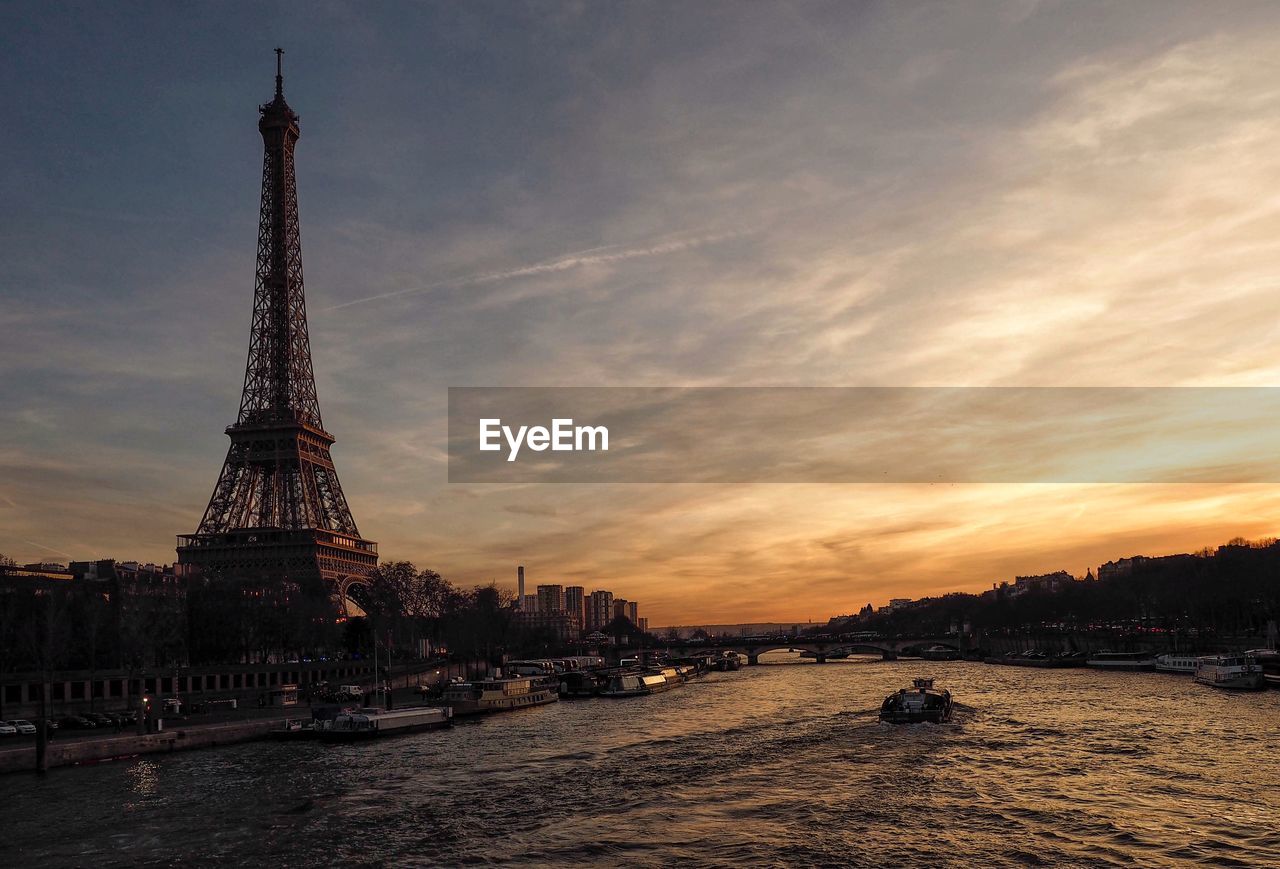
780 765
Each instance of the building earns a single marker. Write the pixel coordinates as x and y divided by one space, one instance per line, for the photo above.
575 603
643 625
33 576
559 625
550 599
633 612
599 610
277 510
529 603
105 614
1048 582
619 608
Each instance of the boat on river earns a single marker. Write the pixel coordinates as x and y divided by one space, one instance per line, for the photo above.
1176 662
726 662
1236 672
580 683
1128 661
498 694
636 685
1269 661
370 723
921 703
294 729
1038 658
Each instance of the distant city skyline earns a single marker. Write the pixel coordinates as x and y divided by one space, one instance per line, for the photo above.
705 194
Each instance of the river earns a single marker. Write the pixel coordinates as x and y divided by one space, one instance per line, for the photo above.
773 765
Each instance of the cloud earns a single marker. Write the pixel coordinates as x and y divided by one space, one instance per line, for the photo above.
606 255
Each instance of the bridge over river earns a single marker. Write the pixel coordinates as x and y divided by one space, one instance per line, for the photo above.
823 647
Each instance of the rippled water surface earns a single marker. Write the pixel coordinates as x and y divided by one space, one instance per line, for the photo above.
774 765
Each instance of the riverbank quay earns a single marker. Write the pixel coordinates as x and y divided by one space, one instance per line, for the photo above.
177 735
30 696
207 730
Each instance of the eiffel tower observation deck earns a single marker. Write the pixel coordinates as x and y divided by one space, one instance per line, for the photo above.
277 511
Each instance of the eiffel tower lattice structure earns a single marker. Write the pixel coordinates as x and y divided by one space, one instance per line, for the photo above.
277 510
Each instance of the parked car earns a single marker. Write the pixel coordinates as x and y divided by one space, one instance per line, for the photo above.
7 729
171 706
25 728
99 719
76 722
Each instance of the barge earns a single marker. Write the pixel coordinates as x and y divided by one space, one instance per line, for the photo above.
1127 661
1037 658
368 723
636 685
498 694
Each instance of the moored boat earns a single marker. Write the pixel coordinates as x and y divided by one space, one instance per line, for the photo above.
580 683
1128 661
498 694
1269 661
726 662
1038 658
368 723
686 671
294 729
635 685
1176 663
1237 672
940 653
919 704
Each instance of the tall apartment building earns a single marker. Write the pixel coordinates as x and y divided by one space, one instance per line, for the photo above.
550 598
529 603
561 624
599 610
628 609
575 603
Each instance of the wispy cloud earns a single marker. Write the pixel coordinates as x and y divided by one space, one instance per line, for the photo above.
48 549
595 256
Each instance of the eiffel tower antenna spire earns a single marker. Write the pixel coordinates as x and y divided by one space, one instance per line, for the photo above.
277 509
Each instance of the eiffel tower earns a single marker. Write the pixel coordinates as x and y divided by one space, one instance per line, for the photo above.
277 510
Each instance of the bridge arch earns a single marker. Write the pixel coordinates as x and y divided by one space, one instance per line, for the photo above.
822 646
351 593
821 650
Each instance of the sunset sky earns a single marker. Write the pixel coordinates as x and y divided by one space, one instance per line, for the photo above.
641 194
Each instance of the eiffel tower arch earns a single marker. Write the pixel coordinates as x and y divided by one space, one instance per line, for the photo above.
277 510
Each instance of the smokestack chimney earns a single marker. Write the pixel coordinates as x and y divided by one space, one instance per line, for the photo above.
520 582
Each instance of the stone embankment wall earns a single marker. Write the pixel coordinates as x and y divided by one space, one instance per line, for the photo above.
83 751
